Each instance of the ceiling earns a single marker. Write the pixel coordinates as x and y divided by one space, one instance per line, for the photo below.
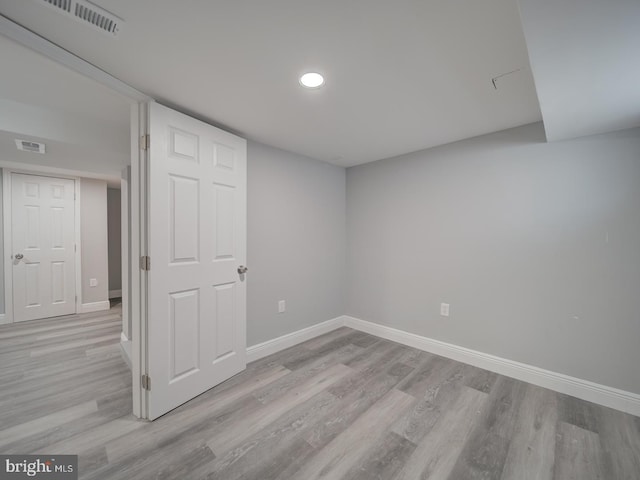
400 76
585 60
84 125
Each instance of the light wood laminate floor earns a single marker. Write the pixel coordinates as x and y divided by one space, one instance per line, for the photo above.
346 405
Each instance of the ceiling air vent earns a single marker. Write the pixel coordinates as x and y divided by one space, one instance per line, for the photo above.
62 4
27 146
88 13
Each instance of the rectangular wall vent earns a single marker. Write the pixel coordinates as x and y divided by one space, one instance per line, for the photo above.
28 146
88 13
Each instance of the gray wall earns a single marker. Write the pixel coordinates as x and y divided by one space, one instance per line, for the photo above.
94 251
296 242
535 245
114 239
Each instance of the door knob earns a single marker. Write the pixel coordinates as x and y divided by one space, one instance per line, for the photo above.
242 269
18 256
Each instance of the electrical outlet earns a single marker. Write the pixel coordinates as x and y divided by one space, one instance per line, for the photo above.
282 306
444 309
93 282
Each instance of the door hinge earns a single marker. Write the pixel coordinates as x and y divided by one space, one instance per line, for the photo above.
145 263
146 382
145 142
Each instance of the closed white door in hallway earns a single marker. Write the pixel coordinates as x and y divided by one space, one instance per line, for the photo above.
43 246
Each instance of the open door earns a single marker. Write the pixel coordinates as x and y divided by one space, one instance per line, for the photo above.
196 244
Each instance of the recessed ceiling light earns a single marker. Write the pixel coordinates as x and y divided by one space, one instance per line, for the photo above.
312 80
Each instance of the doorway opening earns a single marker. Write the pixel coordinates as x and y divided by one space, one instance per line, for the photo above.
199 236
64 328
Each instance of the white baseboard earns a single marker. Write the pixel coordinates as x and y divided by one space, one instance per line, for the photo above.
115 293
584 389
4 319
94 306
270 347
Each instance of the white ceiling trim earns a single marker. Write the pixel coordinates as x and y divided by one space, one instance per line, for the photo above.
35 42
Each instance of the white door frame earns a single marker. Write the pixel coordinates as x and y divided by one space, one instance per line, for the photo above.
138 233
137 184
124 257
7 253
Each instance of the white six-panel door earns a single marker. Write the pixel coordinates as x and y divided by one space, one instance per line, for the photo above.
196 327
43 246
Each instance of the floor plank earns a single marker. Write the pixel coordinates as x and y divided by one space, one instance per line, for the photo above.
579 454
437 453
485 452
531 453
235 432
343 452
385 460
282 440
